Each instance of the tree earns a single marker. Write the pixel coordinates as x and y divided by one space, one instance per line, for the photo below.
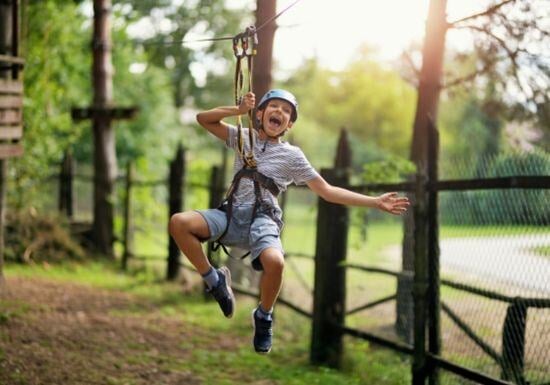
509 41
373 103
265 10
168 35
56 77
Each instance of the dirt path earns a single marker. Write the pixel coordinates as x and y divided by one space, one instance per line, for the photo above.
62 333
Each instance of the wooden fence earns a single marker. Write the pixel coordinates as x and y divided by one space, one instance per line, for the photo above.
329 295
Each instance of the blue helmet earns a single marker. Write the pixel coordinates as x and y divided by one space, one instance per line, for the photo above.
283 95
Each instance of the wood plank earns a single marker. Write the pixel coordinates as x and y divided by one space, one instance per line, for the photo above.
113 113
10 117
10 150
11 132
12 59
11 101
11 87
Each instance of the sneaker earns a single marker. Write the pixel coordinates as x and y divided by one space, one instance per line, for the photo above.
223 293
263 333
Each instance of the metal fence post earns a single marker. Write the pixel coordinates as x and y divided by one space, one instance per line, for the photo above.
329 298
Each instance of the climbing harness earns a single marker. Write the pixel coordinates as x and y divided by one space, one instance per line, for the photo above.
244 47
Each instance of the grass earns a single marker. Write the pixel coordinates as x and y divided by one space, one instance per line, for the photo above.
288 364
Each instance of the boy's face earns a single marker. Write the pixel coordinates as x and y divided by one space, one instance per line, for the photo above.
276 117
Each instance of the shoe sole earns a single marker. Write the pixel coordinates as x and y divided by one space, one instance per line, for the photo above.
227 274
254 327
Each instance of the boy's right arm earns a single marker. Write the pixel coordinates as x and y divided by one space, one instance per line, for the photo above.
212 119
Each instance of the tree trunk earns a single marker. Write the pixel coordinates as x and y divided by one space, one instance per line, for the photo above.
263 62
105 164
426 109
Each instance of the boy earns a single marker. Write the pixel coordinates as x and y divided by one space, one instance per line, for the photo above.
252 217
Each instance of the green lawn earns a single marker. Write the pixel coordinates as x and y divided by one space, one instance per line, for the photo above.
288 363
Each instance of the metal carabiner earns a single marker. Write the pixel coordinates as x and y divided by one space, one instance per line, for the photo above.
236 46
252 37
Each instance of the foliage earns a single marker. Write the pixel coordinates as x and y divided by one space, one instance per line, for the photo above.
371 102
392 169
56 39
510 206
158 28
152 137
55 78
36 238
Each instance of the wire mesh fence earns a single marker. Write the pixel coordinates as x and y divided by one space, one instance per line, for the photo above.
497 241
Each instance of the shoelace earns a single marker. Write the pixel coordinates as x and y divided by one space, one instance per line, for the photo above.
264 326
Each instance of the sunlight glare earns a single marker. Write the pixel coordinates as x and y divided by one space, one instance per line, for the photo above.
334 31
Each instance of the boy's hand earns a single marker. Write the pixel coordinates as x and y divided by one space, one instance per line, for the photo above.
248 103
392 203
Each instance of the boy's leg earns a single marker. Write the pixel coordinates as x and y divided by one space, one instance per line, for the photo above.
272 277
188 229
270 285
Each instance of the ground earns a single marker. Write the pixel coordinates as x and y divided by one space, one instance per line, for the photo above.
62 333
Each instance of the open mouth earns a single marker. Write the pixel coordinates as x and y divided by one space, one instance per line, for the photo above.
275 121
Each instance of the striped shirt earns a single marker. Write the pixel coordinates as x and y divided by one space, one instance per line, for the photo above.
282 162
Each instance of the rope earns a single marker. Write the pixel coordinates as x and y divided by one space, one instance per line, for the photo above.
221 38
277 15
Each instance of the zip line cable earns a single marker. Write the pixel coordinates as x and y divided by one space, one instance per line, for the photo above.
222 38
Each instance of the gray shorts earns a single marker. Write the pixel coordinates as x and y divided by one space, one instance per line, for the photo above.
264 232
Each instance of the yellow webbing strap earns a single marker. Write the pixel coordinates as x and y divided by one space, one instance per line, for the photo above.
244 45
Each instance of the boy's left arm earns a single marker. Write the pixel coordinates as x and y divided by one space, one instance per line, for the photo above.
388 202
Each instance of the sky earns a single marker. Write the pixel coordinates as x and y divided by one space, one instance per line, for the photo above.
332 30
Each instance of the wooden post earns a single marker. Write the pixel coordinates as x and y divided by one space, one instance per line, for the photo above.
3 182
102 113
11 104
429 89
176 180
329 297
128 240
420 283
513 343
343 158
66 176
434 300
216 197
105 164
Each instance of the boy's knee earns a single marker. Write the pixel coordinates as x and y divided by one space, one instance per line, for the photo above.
179 222
272 260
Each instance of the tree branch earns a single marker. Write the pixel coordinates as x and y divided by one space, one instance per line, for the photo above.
470 77
410 61
488 11
512 54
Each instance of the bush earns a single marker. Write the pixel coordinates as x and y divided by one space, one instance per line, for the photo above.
39 238
502 206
